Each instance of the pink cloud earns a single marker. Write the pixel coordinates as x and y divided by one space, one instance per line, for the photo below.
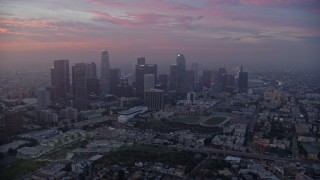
111 3
7 31
3 30
261 2
32 23
27 23
149 21
276 2
103 16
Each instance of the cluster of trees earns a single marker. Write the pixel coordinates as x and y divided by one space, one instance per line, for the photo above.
130 156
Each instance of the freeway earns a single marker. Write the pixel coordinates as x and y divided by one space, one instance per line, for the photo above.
91 121
210 150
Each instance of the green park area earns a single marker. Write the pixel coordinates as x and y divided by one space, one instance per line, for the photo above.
20 168
137 153
214 121
186 119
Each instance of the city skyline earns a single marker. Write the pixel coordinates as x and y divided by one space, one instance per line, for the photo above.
209 32
160 89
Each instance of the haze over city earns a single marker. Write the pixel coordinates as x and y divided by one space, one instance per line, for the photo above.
214 32
160 89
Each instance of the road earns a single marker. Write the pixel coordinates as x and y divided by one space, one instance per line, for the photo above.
91 121
199 166
210 150
294 148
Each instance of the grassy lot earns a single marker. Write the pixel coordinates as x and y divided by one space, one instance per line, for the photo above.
136 153
215 121
20 168
186 119
143 148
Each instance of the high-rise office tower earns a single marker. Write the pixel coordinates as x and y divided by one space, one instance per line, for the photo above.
93 83
152 69
115 75
191 80
79 80
43 98
207 78
195 68
60 80
105 72
91 70
124 89
243 81
231 80
93 87
141 70
173 76
141 61
149 82
181 67
154 99
223 78
162 82
163 78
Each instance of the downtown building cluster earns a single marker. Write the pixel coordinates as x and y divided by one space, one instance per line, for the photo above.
150 87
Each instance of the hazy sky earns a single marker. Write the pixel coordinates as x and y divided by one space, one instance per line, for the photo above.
215 32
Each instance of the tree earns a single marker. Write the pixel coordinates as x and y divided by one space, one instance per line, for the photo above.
121 174
12 152
207 141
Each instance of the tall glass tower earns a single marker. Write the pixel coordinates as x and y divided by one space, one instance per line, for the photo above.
60 80
181 75
105 72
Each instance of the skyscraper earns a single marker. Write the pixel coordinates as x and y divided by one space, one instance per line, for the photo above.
173 76
163 78
231 80
243 81
149 82
154 99
79 80
93 85
181 76
190 79
223 78
207 78
105 72
124 89
60 80
43 98
115 75
141 61
141 70
195 68
91 70
152 69
241 68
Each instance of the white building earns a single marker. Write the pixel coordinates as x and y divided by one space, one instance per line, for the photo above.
124 116
191 96
149 81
